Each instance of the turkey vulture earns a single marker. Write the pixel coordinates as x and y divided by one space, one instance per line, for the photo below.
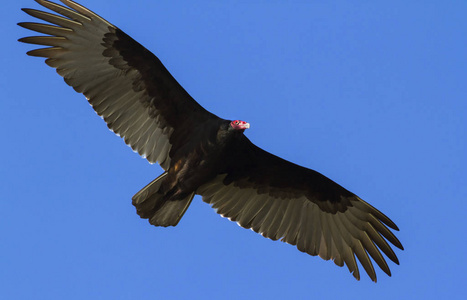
201 153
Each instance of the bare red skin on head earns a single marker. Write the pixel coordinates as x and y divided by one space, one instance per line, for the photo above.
239 125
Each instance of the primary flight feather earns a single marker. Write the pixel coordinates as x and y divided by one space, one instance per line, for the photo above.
201 153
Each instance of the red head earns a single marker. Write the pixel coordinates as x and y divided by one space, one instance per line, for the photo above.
239 125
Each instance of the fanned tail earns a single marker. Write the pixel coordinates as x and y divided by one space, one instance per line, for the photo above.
153 204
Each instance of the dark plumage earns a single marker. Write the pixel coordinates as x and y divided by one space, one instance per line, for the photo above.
201 153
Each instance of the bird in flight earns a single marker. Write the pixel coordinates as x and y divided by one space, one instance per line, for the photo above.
202 154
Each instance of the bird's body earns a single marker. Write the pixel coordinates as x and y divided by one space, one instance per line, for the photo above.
197 162
201 153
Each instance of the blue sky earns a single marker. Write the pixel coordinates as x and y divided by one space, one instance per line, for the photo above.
370 94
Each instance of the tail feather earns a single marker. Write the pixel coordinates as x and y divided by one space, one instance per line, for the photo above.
171 211
153 204
148 190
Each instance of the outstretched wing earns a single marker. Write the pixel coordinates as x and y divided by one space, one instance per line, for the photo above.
125 83
300 206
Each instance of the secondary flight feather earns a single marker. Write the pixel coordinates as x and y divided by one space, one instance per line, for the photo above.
203 154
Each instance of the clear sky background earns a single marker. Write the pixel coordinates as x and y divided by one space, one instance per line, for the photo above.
370 94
